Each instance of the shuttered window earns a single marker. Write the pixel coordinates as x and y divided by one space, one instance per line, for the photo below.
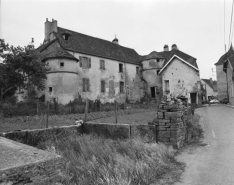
103 86
86 84
121 87
85 62
102 64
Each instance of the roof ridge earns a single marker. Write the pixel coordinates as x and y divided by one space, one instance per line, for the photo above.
97 38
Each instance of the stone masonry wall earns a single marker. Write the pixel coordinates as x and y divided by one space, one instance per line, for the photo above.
171 124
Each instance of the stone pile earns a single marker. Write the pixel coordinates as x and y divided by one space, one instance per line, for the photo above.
171 123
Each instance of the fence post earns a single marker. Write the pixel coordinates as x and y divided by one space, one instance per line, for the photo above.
116 118
37 108
86 110
47 115
156 133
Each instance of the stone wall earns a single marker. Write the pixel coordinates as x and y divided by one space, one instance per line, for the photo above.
171 124
23 164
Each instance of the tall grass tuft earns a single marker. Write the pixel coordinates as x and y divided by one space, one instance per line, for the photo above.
93 160
194 129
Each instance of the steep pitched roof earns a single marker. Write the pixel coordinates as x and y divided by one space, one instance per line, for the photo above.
224 57
58 53
169 54
208 82
98 47
152 55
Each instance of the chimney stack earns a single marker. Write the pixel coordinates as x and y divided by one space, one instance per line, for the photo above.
174 47
115 41
165 48
49 28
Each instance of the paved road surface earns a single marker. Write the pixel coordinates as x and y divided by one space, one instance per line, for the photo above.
212 164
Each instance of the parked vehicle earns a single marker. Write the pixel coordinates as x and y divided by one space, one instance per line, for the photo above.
214 101
224 101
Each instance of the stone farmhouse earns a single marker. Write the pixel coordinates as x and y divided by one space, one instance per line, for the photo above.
221 75
228 68
210 88
93 68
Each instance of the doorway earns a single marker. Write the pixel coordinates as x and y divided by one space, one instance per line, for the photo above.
153 92
193 97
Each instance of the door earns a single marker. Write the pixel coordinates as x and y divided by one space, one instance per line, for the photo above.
193 97
153 93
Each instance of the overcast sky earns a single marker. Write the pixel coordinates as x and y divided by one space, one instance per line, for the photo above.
195 26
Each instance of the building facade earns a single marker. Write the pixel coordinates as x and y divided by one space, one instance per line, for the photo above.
92 68
221 75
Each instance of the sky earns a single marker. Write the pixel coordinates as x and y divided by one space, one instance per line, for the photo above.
197 27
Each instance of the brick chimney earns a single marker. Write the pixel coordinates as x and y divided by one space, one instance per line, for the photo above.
49 28
165 48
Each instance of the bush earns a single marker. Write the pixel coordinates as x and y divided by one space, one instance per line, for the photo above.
94 160
194 130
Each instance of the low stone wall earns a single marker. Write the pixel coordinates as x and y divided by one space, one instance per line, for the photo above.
22 164
171 124
35 137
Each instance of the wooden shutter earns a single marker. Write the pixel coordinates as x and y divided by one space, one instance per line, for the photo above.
80 58
83 84
89 62
88 84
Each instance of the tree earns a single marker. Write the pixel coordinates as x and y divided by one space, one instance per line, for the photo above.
20 69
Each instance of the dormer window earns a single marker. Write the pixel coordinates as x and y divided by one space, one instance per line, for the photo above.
65 36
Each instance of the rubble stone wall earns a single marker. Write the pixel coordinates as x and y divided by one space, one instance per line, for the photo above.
171 124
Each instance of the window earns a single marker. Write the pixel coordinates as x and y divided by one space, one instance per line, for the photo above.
158 71
86 84
102 64
121 87
61 64
137 70
167 87
103 86
85 62
158 60
66 36
121 68
50 89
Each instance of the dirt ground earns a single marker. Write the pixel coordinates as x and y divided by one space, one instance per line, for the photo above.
138 118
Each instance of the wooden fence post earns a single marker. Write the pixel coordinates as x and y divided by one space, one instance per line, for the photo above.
86 110
37 108
116 118
47 115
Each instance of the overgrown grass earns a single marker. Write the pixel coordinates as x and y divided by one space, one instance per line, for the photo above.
194 129
93 160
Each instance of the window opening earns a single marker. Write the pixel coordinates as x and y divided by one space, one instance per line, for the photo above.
121 87
103 86
120 68
86 84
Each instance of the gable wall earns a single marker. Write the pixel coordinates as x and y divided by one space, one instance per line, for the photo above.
183 79
221 82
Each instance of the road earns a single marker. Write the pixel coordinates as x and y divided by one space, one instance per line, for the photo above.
213 163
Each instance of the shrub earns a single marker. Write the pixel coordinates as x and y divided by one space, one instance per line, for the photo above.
194 130
94 160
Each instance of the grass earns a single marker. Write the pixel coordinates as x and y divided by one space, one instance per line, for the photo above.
194 129
94 160
37 122
138 118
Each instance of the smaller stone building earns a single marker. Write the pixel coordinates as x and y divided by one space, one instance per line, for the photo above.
221 75
210 87
228 68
